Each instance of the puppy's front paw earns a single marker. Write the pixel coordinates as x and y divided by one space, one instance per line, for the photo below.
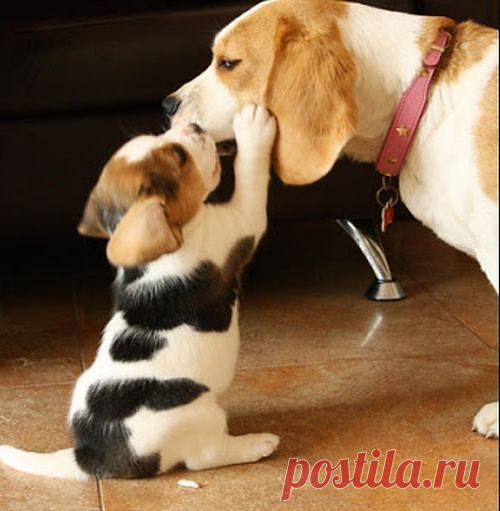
486 421
255 129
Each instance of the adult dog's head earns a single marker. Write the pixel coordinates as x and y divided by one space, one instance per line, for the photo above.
288 56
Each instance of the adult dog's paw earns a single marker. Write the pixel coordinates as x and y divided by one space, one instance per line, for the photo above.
486 421
254 129
260 445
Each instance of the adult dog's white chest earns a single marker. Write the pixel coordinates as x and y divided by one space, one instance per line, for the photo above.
439 183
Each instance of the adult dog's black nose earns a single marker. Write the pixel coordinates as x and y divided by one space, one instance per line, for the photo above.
170 105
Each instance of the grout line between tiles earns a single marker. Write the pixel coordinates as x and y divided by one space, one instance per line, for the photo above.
445 358
39 386
441 304
100 494
458 359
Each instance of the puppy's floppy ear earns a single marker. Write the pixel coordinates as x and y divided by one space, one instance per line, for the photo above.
91 221
311 92
143 234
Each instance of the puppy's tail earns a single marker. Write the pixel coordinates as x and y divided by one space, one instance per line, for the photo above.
60 464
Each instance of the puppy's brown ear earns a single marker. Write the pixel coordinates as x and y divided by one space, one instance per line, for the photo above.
91 222
143 235
311 92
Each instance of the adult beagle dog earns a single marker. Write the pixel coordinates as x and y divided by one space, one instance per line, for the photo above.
333 74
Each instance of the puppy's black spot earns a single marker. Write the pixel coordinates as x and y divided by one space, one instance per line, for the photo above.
102 449
101 437
134 344
118 400
131 274
202 299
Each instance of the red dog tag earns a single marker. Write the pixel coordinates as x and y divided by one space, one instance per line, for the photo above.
387 214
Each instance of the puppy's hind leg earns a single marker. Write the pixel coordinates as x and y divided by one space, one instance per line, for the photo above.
232 450
215 447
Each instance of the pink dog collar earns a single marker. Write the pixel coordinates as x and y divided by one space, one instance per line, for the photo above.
409 112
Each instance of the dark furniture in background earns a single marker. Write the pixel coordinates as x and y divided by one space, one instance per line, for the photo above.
78 79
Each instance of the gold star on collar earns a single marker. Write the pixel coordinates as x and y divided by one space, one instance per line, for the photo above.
403 131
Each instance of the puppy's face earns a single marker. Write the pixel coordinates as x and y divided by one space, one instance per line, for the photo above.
148 191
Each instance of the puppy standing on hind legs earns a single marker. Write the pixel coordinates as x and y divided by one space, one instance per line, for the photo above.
149 400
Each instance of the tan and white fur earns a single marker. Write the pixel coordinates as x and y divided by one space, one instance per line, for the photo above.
333 73
149 400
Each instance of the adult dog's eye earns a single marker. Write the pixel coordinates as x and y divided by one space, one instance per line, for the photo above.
180 153
227 64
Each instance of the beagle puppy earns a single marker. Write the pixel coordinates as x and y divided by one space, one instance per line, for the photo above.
149 400
333 73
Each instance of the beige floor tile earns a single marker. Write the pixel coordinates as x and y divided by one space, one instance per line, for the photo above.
307 305
35 419
313 325
39 335
451 277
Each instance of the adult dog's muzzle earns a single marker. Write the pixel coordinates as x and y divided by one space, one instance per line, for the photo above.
170 106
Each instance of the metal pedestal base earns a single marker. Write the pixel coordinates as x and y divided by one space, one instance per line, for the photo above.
385 290
367 237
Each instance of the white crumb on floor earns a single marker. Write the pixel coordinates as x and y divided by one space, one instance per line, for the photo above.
188 483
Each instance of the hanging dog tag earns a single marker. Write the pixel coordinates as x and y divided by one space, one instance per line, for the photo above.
387 197
387 214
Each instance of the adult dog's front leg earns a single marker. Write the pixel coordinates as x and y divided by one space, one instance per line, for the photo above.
486 421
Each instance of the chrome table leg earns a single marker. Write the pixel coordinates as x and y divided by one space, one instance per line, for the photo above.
366 235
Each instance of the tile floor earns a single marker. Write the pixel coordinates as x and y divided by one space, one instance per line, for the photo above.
329 371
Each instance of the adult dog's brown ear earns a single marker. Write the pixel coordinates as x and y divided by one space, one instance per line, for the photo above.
143 234
311 92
